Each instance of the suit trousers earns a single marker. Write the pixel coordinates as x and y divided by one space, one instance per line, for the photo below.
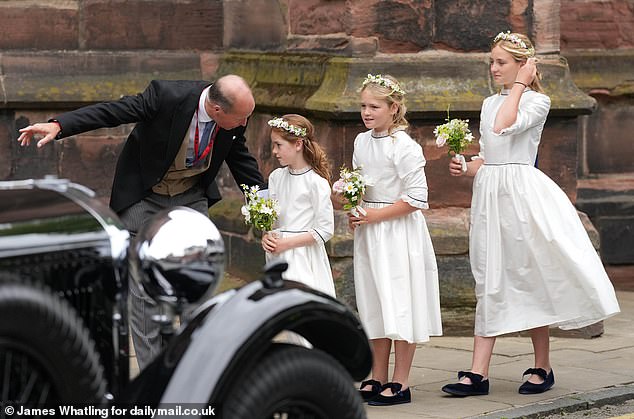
146 335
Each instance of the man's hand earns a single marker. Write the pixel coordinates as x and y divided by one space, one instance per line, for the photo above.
48 130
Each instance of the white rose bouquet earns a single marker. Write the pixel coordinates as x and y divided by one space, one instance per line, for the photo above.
258 211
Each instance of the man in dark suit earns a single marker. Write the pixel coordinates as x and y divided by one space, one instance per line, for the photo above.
184 131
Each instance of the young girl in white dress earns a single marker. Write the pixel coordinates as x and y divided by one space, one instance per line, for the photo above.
302 189
533 263
395 273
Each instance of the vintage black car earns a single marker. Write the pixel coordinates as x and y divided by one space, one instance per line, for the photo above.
65 263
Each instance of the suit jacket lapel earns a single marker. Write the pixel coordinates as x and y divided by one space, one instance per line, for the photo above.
183 114
221 148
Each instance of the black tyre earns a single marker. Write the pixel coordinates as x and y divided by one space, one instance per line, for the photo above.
293 382
46 354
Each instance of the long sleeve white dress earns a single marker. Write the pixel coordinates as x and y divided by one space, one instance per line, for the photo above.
532 260
305 206
395 273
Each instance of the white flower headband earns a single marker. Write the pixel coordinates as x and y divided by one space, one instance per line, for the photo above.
513 39
382 81
283 124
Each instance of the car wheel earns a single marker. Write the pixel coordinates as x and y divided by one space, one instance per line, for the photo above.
294 382
46 354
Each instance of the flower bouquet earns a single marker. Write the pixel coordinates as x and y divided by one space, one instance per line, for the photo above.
351 185
456 135
258 211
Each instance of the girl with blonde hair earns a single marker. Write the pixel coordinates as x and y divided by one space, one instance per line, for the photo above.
395 273
533 263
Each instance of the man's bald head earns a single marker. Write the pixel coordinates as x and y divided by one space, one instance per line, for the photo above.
231 101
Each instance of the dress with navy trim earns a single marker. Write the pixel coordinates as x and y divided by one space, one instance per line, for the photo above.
531 257
305 206
395 272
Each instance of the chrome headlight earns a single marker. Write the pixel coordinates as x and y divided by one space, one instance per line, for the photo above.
178 257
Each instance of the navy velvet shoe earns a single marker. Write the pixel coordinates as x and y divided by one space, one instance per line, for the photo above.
532 388
399 396
478 386
370 394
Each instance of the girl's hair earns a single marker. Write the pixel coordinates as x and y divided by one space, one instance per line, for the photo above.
521 48
312 152
387 88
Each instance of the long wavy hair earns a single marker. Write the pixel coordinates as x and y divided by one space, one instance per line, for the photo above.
520 53
312 151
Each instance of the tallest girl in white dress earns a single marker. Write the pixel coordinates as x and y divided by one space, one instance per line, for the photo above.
533 263
395 274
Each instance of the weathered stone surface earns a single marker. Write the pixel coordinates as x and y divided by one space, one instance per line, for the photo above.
617 239
92 158
557 155
468 25
317 17
254 24
7 131
209 63
244 256
605 141
449 229
457 297
596 24
609 203
343 276
610 137
29 161
39 25
76 78
333 44
143 24
400 26
520 16
226 216
545 31
602 72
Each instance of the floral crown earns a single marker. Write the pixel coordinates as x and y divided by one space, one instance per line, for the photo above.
382 81
513 39
283 124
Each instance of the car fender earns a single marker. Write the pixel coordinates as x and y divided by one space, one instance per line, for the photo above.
239 330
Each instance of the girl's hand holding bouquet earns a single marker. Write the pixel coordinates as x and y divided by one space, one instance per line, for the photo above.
259 211
456 135
351 185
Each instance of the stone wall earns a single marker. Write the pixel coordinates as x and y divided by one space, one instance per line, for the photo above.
306 56
597 38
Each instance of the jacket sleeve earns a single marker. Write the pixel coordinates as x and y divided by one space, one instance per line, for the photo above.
128 109
242 164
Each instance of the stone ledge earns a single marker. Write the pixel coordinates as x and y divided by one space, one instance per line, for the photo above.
73 78
432 79
603 71
319 83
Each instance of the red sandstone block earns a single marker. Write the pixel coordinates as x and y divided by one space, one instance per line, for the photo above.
38 27
317 17
136 24
601 24
400 26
